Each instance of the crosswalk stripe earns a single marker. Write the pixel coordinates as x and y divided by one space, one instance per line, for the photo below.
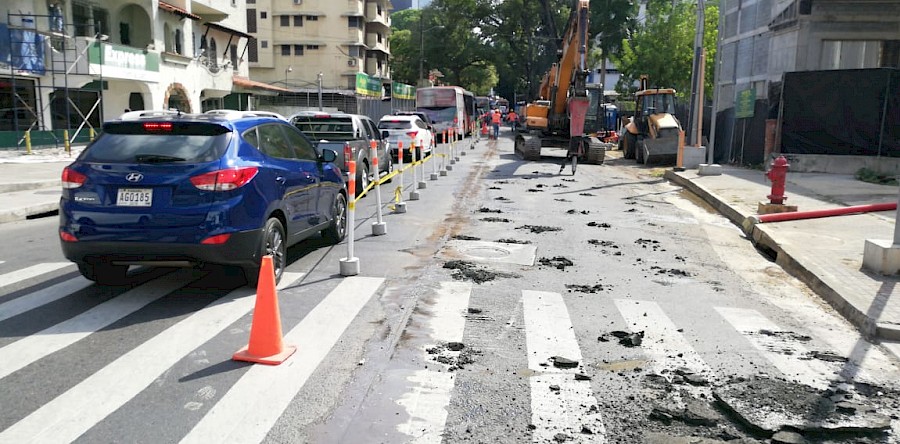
788 356
428 399
559 403
41 297
69 415
26 273
661 336
251 407
29 349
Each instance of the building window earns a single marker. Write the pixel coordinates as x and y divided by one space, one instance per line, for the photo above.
234 57
890 54
354 51
850 54
251 2
252 51
264 44
312 18
298 50
251 20
354 22
298 20
284 20
179 42
312 47
285 50
263 15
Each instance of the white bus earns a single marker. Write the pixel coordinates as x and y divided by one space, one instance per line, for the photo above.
447 107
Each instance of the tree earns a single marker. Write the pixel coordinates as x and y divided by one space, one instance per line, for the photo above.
663 47
611 22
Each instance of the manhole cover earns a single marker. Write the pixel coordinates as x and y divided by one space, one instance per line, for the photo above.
490 252
485 252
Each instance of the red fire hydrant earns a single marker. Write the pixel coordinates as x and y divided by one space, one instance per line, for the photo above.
778 175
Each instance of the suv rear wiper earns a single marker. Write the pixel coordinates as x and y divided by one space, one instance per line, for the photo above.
157 158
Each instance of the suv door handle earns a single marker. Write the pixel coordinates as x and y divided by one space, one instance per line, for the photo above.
280 179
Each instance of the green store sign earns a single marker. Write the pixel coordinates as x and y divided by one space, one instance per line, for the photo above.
367 85
403 91
744 103
126 57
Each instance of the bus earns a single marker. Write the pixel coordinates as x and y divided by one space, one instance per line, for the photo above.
482 105
448 107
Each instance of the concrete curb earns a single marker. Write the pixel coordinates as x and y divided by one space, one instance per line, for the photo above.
25 186
760 236
19 214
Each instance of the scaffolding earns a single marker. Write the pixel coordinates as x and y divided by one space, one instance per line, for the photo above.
37 99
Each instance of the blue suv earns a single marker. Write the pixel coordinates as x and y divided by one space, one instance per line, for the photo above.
187 190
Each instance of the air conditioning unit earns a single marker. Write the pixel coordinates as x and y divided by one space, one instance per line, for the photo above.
298 2
351 62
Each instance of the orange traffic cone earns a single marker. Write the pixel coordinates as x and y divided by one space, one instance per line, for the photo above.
266 343
484 128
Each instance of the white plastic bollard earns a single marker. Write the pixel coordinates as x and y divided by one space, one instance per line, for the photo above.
379 228
434 172
413 194
400 205
350 264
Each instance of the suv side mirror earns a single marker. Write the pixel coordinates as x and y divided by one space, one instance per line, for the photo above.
385 134
328 155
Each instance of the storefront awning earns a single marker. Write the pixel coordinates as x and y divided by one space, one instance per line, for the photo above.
243 84
177 11
228 30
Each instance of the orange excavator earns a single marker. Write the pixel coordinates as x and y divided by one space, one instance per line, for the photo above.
557 118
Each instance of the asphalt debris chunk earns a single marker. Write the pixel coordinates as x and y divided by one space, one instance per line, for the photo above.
585 194
561 362
596 288
464 237
494 219
576 211
465 270
559 262
599 224
513 241
488 210
670 271
534 190
538 228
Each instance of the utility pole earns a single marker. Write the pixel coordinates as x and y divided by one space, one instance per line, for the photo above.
696 111
319 76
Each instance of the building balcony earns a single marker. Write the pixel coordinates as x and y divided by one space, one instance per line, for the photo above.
377 44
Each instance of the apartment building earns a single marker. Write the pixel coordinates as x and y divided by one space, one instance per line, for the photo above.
71 64
310 44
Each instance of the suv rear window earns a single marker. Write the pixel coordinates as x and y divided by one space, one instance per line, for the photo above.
390 124
158 142
328 128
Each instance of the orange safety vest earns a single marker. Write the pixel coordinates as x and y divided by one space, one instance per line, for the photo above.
512 117
495 118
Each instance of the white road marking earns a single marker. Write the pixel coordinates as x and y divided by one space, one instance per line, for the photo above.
559 403
662 341
29 349
790 357
30 272
251 407
45 296
428 399
67 417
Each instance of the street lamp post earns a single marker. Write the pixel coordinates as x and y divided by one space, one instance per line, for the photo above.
320 75
422 49
286 71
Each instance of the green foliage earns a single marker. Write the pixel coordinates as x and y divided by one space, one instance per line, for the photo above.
871 176
663 47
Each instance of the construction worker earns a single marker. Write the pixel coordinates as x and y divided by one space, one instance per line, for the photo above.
513 119
496 118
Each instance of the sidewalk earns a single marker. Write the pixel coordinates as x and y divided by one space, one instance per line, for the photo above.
824 253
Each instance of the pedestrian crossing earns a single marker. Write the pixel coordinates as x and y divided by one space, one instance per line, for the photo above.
562 399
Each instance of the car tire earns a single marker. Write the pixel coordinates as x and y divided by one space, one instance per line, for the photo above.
629 144
103 273
337 231
273 243
362 177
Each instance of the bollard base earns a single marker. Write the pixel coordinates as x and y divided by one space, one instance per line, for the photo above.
771 208
379 228
881 256
443 172
452 161
450 167
400 207
457 158
423 185
434 176
462 153
472 146
414 195
350 266
709 169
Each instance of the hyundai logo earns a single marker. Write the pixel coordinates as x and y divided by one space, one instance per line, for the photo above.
134 177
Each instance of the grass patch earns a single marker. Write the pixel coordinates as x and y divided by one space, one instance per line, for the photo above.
658 172
870 176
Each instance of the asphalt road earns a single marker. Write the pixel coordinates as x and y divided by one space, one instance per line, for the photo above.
509 304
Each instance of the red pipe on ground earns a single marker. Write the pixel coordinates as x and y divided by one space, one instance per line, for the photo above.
797 215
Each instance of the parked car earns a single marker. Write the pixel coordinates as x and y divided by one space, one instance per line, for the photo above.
335 130
145 113
188 190
418 114
407 129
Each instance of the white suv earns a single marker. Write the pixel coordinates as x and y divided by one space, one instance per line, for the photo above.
407 129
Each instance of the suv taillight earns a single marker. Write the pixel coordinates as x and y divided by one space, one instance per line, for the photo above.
224 180
412 134
72 179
